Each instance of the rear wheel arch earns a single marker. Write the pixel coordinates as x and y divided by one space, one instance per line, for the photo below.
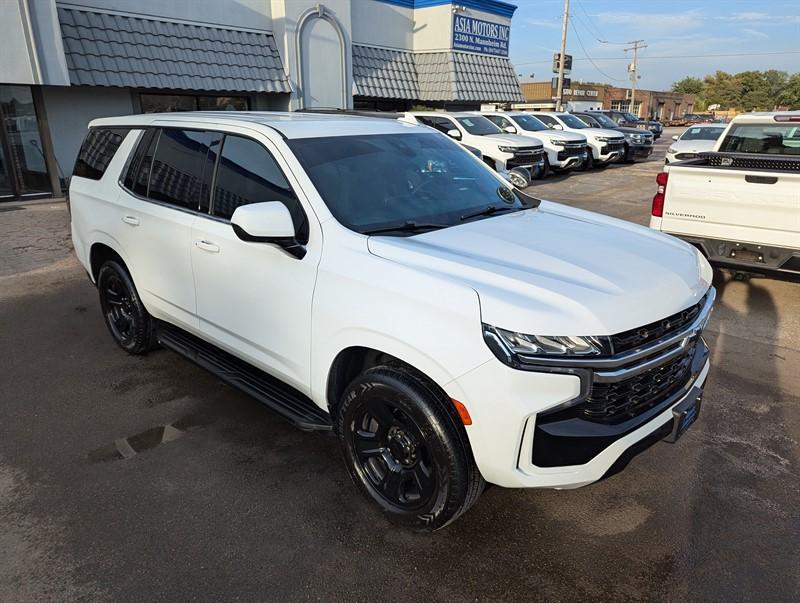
99 254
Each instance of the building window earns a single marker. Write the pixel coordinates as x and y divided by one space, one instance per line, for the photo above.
625 105
165 103
23 165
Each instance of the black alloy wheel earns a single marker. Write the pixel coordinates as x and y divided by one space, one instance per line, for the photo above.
406 449
130 325
391 452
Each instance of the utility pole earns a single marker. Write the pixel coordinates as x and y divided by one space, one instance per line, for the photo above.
633 70
560 89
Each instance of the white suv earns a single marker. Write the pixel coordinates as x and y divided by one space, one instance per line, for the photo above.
374 278
501 151
565 150
607 146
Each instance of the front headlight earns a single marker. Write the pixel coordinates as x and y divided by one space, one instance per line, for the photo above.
601 138
559 143
671 150
503 149
542 346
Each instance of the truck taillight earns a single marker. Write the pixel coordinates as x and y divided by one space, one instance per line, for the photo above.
658 198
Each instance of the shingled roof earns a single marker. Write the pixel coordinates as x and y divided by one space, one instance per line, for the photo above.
433 76
104 49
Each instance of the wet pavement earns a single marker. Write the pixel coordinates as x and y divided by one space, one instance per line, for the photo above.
145 478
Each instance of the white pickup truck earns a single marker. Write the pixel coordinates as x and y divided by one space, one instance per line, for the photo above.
740 204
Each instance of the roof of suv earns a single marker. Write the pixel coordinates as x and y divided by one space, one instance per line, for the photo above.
289 125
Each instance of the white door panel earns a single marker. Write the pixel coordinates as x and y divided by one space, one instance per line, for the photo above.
158 239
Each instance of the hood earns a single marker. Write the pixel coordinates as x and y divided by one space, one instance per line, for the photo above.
511 140
559 135
693 146
602 132
557 270
624 130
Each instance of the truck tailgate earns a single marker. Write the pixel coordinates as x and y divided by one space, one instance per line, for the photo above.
743 205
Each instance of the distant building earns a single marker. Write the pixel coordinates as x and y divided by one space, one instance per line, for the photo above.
650 104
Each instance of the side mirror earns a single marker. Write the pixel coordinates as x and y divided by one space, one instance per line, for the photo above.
558 127
620 121
510 129
676 137
454 134
269 222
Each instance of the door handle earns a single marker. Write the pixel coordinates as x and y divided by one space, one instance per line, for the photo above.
207 246
132 220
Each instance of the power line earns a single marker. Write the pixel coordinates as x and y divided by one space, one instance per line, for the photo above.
586 54
674 56
593 26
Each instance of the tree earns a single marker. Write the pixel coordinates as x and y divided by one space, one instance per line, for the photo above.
689 85
790 95
722 89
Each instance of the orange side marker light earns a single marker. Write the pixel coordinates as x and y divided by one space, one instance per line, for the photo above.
462 411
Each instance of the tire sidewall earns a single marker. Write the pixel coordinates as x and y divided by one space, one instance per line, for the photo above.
140 341
439 437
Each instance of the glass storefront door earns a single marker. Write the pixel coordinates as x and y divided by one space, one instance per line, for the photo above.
23 169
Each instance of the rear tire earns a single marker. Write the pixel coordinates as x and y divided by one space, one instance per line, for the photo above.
129 323
405 448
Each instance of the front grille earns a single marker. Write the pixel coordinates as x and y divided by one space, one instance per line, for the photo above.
576 151
526 150
525 159
612 146
621 400
636 338
753 161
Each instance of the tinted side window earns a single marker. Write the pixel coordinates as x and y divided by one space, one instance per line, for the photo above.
97 151
135 160
546 120
247 173
499 121
178 165
141 176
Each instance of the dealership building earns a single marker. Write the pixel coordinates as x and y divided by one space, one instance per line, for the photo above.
65 63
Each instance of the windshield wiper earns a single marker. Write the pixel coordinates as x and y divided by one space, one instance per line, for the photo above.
408 226
488 211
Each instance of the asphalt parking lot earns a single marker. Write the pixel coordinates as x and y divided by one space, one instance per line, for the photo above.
216 498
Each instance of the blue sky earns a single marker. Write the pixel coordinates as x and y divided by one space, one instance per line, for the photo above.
698 28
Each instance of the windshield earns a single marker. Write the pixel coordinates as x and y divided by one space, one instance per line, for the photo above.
372 182
529 123
604 120
702 133
572 121
478 125
629 116
773 139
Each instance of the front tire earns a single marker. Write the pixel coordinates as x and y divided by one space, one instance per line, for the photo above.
131 327
405 448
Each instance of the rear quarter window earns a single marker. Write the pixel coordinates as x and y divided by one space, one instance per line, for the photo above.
97 151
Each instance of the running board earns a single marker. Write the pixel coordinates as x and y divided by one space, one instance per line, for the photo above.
292 405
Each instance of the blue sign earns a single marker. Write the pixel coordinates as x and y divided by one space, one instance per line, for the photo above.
476 35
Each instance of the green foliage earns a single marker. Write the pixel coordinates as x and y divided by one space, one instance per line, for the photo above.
745 91
689 85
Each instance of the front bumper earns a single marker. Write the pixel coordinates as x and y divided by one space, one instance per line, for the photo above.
533 436
640 151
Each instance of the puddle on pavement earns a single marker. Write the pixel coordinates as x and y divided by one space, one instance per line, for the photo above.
127 448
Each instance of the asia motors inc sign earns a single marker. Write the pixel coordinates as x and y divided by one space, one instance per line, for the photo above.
477 35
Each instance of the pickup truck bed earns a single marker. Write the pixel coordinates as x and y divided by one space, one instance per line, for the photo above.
741 209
